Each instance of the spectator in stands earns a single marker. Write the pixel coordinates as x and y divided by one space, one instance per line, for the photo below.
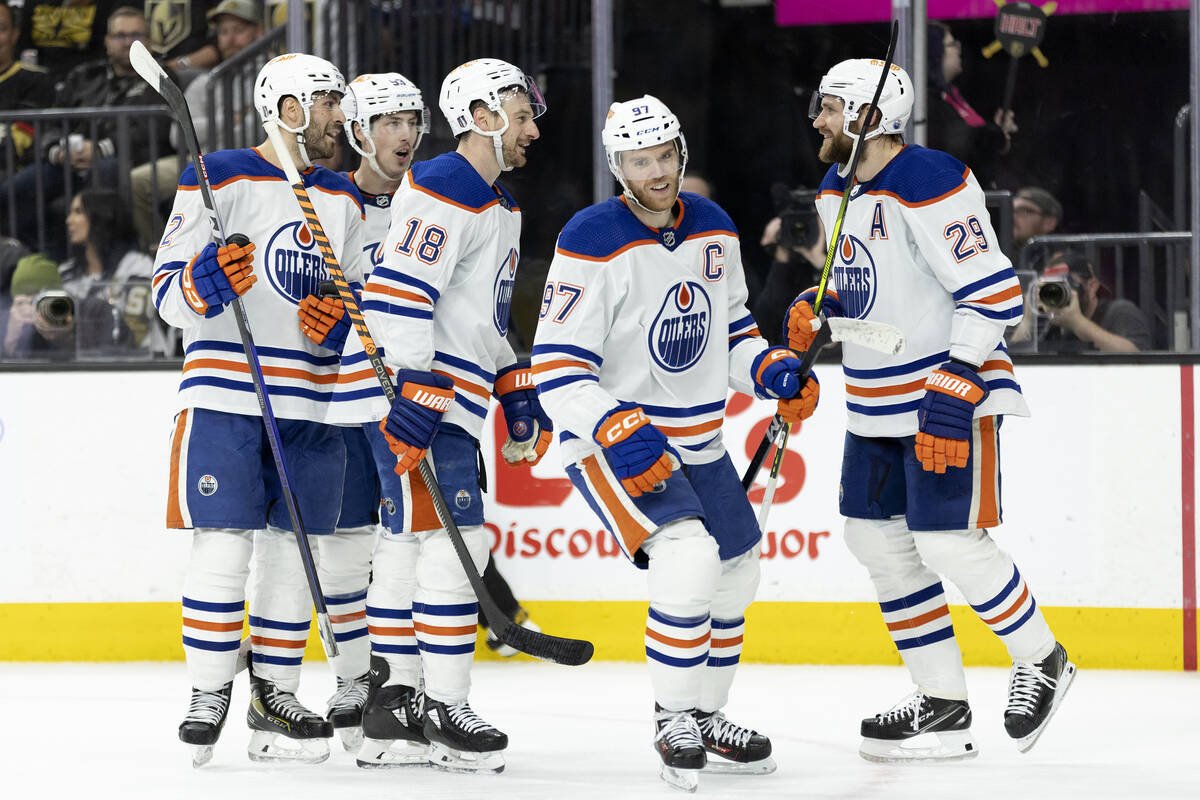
65 34
105 82
696 184
1081 312
180 36
21 86
1036 212
108 276
238 25
26 333
954 126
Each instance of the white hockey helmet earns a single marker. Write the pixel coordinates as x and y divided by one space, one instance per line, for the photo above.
635 124
297 75
377 94
854 81
488 80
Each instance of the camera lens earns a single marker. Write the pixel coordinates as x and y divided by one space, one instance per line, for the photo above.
1054 295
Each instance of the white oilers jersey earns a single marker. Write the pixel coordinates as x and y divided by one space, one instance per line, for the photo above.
440 298
255 199
652 317
917 251
378 210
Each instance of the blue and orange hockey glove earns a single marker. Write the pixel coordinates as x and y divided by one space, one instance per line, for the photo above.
638 452
423 398
776 373
325 321
946 415
799 408
529 429
801 324
217 276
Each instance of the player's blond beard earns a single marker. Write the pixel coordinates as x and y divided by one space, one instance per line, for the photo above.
644 200
836 149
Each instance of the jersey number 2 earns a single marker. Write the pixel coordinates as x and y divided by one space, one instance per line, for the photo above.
968 238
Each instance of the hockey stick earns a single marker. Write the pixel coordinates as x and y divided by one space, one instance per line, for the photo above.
877 336
561 650
153 74
817 343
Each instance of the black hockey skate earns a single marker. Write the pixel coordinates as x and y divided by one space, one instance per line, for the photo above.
920 728
460 741
283 729
202 726
392 723
1034 694
738 749
679 743
345 711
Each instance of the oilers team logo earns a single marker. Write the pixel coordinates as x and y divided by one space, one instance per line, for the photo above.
374 254
462 499
293 263
680 330
207 485
855 277
502 292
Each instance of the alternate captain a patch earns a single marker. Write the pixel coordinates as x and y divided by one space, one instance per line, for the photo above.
679 332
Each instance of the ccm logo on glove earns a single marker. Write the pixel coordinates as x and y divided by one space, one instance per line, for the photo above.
621 424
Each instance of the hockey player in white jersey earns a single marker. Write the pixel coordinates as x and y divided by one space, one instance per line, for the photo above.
920 480
438 306
223 483
630 364
385 120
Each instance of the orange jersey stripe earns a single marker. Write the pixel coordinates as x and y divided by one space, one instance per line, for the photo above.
916 622
560 363
885 391
691 430
685 644
376 630
989 503
174 507
999 297
398 293
351 617
273 372
610 256
632 533
996 363
466 385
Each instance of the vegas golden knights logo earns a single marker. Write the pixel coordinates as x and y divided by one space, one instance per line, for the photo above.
170 23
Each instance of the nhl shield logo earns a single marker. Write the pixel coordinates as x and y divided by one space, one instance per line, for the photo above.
207 485
855 277
668 238
679 332
292 262
502 292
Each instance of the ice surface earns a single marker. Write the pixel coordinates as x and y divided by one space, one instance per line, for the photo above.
109 730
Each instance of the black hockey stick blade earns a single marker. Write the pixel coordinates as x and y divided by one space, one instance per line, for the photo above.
559 649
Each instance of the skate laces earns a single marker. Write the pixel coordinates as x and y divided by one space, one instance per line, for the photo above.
909 707
465 718
350 693
285 704
1025 688
725 732
207 707
680 731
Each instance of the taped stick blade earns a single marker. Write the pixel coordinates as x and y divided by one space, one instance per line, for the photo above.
878 336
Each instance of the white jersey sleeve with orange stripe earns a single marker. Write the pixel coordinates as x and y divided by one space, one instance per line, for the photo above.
255 199
439 299
917 250
652 317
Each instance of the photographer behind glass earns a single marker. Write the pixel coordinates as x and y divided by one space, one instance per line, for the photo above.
1076 312
36 315
796 240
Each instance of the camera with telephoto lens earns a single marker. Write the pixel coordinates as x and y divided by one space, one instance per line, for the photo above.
55 307
797 212
1055 292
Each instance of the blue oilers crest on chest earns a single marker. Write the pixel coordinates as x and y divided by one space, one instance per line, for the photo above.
502 291
373 252
293 262
679 332
855 277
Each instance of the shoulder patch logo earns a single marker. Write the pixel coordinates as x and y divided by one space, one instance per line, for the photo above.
679 332
855 277
292 262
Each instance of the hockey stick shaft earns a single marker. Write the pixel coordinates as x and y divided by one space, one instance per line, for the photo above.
153 74
859 144
555 648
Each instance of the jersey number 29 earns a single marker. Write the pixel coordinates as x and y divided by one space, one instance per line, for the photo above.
968 238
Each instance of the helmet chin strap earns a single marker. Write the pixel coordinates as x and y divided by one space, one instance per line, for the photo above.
370 158
844 169
305 163
497 144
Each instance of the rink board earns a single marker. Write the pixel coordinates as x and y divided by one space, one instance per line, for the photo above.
1099 489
